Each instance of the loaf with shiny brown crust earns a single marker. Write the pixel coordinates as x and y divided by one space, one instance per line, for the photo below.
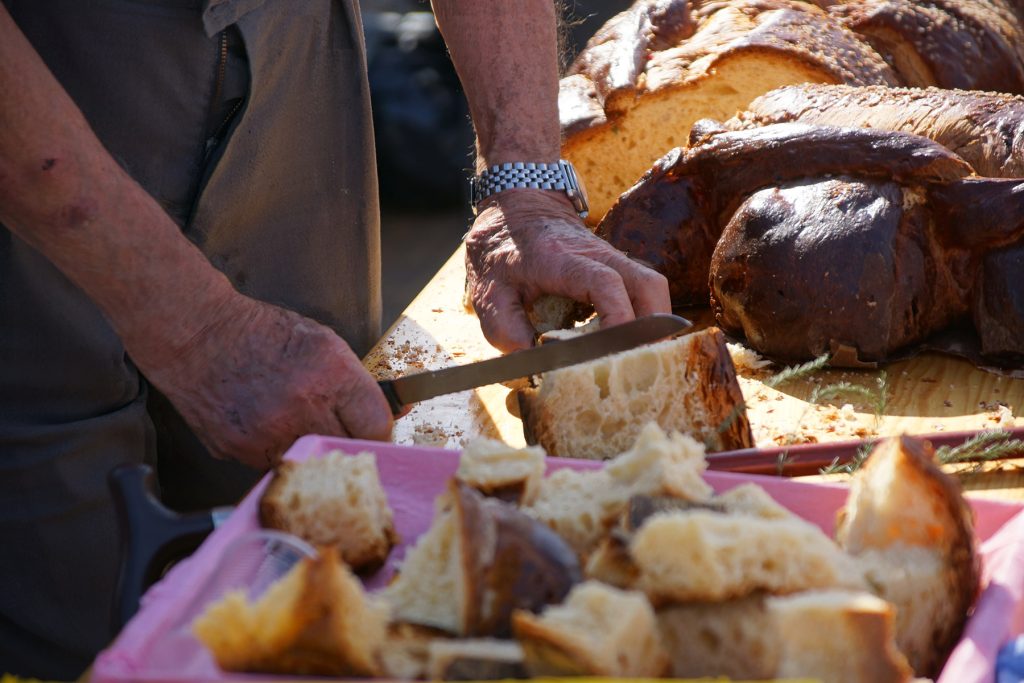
673 217
985 129
964 44
634 92
809 267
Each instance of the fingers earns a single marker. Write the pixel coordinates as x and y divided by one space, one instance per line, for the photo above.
601 286
502 317
647 289
363 411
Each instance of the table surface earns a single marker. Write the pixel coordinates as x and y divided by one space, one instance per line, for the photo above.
927 394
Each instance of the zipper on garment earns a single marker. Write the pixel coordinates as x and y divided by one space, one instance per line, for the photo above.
218 93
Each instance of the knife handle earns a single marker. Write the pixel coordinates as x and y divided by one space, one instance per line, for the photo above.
388 388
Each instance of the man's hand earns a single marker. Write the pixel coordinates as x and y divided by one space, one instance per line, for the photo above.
248 377
526 243
260 376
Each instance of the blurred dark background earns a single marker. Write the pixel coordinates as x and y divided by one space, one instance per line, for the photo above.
424 137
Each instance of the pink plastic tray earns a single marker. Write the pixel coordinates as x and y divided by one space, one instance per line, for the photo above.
155 645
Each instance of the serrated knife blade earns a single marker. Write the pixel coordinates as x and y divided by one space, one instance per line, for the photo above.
421 386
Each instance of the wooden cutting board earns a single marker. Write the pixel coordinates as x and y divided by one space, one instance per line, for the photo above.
928 394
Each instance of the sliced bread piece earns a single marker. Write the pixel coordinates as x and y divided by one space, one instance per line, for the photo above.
315 621
480 560
700 555
596 410
598 631
732 638
497 470
336 500
902 509
836 637
480 659
583 505
650 73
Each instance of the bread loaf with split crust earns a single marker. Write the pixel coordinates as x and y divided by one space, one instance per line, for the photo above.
651 72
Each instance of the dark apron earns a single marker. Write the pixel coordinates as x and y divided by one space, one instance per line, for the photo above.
269 170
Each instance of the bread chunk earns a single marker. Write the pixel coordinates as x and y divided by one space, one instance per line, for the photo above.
481 659
598 631
336 500
650 73
907 523
836 637
582 505
315 621
480 560
595 410
498 470
700 555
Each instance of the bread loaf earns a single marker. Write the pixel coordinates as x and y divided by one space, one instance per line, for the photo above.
985 129
480 560
315 621
335 500
672 219
964 44
596 410
648 75
598 631
805 268
902 509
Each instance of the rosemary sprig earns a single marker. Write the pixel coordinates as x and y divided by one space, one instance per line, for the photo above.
991 444
792 372
836 467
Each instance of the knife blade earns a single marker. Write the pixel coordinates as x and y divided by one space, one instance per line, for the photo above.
414 388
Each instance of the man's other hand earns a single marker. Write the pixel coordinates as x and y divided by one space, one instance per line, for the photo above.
259 377
526 243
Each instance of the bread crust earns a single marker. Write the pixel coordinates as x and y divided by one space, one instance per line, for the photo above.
673 218
985 129
945 524
715 393
929 44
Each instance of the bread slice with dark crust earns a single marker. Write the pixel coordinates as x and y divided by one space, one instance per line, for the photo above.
902 509
480 560
596 410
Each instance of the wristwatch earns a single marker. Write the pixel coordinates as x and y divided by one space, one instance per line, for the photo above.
540 176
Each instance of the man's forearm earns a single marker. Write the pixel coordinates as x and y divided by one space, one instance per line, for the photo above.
507 59
61 192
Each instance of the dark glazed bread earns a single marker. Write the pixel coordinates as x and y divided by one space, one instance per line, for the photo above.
673 217
964 44
805 268
985 129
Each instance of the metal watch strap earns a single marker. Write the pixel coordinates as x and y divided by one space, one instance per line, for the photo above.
558 176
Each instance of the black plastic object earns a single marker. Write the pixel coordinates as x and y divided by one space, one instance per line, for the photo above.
152 537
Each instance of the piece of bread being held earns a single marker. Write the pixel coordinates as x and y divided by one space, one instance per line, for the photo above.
335 500
596 410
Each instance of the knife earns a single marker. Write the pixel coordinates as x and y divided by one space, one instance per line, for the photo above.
418 387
